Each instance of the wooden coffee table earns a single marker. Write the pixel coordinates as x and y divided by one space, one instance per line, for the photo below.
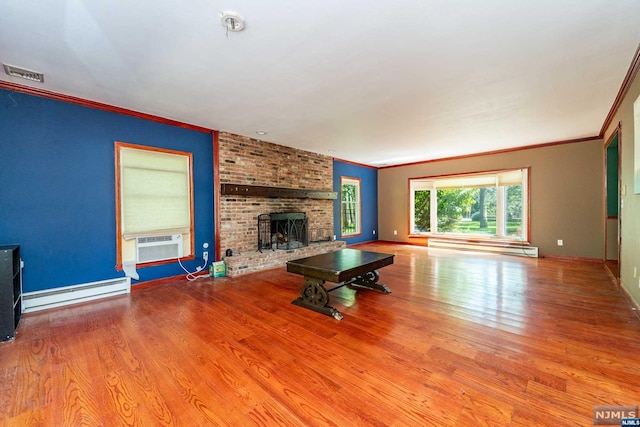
345 267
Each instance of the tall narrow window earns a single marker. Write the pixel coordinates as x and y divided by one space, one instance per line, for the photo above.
490 205
350 206
154 204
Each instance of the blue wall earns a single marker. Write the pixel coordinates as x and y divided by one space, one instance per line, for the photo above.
369 193
57 187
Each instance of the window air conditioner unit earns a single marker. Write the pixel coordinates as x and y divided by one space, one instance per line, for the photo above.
158 248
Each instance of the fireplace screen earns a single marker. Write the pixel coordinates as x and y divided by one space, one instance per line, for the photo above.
284 230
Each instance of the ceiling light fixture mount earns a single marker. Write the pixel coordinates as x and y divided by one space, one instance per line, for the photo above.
232 21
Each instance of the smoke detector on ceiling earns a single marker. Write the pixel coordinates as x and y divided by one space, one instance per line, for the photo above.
23 73
232 21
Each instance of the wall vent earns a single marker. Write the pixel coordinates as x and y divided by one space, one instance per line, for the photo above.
23 73
158 248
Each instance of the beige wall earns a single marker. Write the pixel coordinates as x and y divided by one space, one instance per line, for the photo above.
630 212
566 195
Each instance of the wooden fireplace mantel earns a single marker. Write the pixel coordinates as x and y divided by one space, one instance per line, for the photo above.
275 192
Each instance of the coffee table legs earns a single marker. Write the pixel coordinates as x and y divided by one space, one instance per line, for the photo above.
369 280
314 296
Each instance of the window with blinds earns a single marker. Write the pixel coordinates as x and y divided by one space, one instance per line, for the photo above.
153 196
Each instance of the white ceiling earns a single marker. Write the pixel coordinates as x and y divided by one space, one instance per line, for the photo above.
376 82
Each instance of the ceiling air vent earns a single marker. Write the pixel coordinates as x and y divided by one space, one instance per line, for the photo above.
23 73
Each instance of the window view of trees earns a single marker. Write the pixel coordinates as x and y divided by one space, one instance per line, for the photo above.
481 210
452 205
350 206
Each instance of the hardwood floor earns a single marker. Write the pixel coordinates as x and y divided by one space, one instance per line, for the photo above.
464 340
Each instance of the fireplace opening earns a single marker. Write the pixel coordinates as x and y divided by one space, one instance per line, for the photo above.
282 230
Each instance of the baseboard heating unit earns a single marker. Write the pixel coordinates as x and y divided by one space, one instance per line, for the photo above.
50 298
527 251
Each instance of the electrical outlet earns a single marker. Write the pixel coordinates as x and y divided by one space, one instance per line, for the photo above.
395 232
560 242
205 255
374 232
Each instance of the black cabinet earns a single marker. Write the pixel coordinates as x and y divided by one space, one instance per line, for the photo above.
10 290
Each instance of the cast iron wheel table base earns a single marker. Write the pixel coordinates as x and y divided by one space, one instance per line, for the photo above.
345 267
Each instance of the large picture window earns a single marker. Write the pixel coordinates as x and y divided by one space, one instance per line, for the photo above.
492 205
153 198
349 206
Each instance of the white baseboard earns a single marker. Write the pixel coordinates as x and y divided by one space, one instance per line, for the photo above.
50 298
527 251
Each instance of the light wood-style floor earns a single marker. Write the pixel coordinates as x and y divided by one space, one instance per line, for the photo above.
464 340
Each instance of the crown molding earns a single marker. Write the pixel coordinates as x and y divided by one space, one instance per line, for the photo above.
29 90
624 88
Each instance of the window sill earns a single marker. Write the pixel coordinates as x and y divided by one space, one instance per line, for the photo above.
349 236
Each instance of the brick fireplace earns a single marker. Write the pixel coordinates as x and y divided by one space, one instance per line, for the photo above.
252 162
282 230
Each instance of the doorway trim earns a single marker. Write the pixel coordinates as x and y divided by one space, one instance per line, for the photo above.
617 135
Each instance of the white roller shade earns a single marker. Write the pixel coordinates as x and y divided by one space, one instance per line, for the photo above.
418 185
469 181
493 179
513 177
155 191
